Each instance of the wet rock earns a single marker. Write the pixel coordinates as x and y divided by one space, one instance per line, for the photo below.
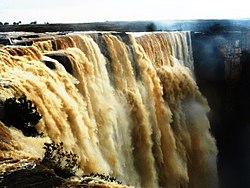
61 58
37 177
5 40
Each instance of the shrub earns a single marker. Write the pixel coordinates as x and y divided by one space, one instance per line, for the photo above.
21 114
88 178
65 164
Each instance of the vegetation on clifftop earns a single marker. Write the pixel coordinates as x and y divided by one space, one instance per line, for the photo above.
65 165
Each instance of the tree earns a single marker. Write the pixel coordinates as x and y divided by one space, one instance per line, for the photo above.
21 114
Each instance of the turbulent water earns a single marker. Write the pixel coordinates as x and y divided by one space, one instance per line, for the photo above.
126 104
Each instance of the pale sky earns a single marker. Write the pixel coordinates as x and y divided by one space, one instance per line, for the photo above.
75 11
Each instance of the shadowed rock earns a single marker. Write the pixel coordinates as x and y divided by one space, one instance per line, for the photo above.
61 58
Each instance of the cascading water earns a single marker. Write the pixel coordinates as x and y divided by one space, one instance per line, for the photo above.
126 104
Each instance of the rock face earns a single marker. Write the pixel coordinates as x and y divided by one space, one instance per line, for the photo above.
61 58
34 176
5 40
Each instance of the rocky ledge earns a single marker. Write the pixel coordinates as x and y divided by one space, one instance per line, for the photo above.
36 175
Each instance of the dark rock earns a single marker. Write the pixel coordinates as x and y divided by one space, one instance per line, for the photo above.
5 40
37 177
30 36
24 43
50 64
63 59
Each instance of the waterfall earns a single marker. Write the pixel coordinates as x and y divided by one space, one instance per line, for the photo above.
126 104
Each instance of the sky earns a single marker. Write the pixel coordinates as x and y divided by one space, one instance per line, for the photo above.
79 11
